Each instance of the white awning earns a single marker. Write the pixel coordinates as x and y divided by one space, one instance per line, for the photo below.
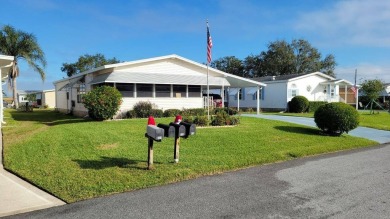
148 78
72 82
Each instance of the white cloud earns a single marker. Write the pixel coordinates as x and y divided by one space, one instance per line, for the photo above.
365 71
355 22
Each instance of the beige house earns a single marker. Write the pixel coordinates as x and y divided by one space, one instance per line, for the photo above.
168 82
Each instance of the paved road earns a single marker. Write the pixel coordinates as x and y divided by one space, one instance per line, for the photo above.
363 132
350 184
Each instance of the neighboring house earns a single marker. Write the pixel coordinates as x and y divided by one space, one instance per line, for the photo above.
280 90
43 97
169 82
385 94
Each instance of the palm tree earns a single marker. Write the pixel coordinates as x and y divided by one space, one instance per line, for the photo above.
22 46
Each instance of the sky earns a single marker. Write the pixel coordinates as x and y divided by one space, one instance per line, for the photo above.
356 32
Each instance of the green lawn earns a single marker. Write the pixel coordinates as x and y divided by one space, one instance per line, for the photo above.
379 120
76 159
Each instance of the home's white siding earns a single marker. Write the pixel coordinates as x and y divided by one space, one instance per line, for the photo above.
309 87
275 96
49 98
164 103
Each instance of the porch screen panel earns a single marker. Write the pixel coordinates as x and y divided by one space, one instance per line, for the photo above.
127 90
163 90
179 91
194 91
144 90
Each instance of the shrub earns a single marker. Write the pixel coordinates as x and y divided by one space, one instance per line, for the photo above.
143 109
157 113
232 111
131 114
171 112
45 106
102 102
201 121
194 112
220 119
336 118
313 105
298 104
189 119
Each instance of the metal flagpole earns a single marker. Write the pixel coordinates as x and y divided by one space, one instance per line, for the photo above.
208 98
209 45
356 92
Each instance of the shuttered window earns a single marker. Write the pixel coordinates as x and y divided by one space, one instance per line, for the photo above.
163 90
144 90
127 90
194 91
179 91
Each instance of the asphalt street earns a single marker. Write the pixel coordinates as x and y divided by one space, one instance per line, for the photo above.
349 184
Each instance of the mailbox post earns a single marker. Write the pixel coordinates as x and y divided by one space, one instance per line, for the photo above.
153 133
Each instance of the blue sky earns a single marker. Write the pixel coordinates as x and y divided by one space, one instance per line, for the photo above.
357 32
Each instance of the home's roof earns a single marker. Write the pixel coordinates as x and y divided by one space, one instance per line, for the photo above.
233 80
290 77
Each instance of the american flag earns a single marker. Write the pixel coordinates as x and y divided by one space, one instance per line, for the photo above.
353 88
209 44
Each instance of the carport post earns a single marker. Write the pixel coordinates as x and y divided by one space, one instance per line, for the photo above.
258 100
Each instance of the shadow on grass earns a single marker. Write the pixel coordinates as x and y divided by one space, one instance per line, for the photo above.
298 130
107 162
47 117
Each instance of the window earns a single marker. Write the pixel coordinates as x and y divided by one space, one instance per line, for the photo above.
239 94
179 91
163 90
194 91
67 95
127 90
144 90
294 92
80 93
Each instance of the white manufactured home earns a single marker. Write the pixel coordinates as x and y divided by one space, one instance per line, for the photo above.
169 82
280 90
5 65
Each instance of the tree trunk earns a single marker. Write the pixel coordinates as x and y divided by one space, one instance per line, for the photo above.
15 96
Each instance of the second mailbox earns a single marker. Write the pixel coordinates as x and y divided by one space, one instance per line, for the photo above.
190 128
169 131
180 129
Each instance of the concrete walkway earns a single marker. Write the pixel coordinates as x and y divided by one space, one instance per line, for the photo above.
18 196
380 136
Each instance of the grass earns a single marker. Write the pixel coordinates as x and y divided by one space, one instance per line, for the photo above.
379 120
76 159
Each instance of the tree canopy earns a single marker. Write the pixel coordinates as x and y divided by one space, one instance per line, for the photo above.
229 64
22 46
87 62
281 58
372 90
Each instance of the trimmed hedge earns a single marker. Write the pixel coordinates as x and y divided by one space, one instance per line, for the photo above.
298 104
143 109
336 118
171 112
313 105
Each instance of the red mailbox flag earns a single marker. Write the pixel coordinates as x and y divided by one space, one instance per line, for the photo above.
151 121
178 119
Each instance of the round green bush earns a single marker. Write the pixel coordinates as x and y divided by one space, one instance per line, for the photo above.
299 104
143 109
336 118
102 102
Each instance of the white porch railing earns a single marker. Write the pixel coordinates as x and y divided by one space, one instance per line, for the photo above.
212 104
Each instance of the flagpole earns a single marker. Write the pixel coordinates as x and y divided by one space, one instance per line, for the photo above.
208 98
209 45
357 91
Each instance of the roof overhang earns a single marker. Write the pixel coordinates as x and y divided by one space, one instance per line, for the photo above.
337 81
5 65
150 78
72 82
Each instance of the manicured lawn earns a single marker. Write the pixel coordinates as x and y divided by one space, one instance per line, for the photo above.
76 159
379 120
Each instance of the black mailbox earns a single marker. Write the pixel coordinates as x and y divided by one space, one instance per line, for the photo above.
190 128
169 131
180 129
